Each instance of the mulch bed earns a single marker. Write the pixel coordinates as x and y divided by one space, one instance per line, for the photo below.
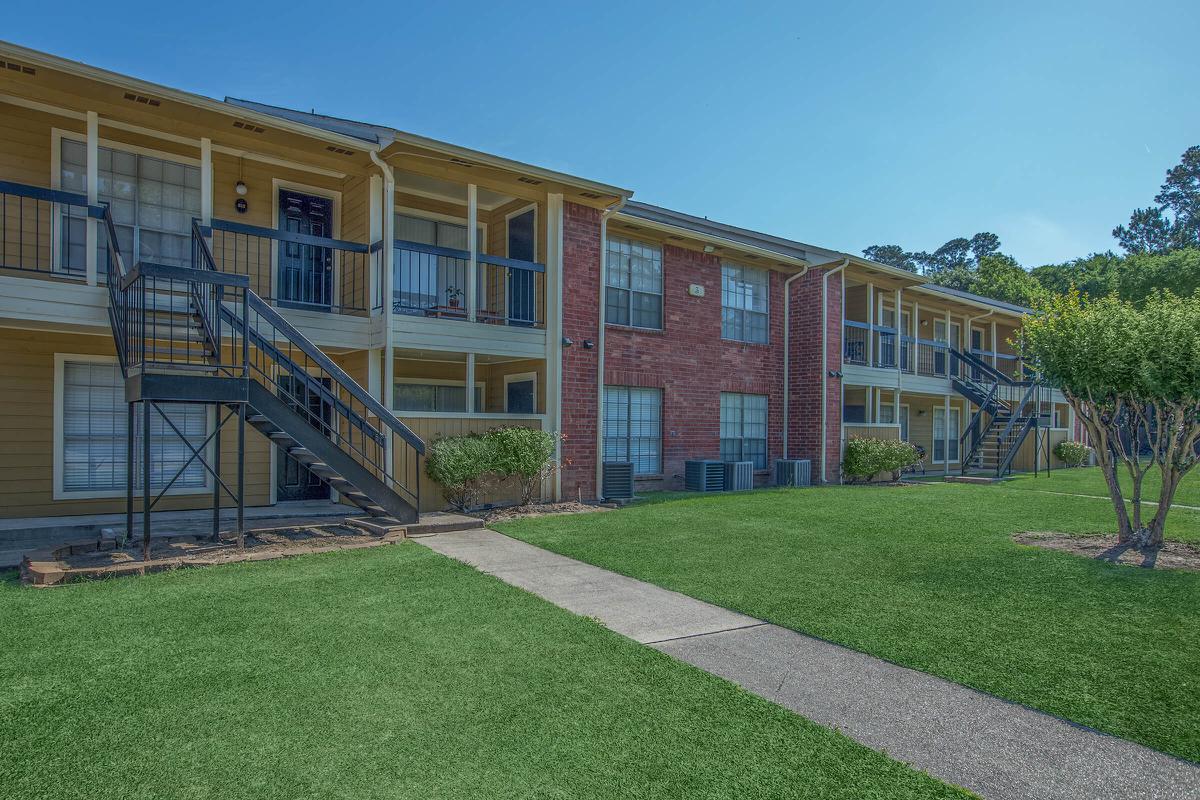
1172 555
540 510
93 559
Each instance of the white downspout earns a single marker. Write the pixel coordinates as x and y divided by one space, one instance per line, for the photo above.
787 355
825 357
385 278
608 212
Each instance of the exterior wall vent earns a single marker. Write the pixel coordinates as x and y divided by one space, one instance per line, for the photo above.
675 237
15 67
617 480
793 472
143 99
460 161
341 151
530 181
703 476
249 127
739 476
590 195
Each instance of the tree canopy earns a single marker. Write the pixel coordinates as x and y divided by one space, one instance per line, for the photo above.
1173 223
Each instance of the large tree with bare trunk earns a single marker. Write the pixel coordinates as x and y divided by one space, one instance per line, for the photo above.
1132 374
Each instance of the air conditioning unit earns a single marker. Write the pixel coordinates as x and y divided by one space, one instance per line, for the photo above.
793 472
739 476
617 480
704 476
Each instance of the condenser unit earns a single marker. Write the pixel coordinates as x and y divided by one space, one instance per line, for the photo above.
703 476
793 472
617 480
739 476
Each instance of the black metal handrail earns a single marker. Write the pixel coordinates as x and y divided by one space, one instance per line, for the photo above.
37 223
971 360
281 358
975 428
297 270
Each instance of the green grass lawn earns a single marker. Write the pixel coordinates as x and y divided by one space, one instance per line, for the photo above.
1088 480
392 672
927 576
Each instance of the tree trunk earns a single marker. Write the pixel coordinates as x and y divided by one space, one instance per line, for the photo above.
1124 527
1170 482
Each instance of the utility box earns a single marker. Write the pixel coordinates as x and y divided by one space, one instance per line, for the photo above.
704 476
793 472
739 476
617 479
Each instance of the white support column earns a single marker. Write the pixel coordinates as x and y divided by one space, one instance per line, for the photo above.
206 182
871 310
554 325
375 234
946 430
898 346
473 246
916 334
995 349
470 383
93 189
947 355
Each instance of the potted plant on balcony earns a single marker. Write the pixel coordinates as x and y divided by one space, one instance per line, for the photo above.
453 296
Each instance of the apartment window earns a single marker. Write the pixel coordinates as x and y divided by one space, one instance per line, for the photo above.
94 427
434 396
425 280
633 427
744 428
744 303
152 201
633 279
945 442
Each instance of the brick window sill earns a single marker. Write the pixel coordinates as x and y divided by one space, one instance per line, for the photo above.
634 329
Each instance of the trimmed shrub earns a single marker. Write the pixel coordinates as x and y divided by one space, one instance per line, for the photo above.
866 458
526 453
1073 454
458 464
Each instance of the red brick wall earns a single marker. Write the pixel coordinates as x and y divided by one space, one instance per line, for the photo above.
581 314
804 436
690 362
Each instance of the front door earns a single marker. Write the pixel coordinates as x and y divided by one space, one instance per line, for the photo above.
522 245
305 269
904 423
520 396
293 480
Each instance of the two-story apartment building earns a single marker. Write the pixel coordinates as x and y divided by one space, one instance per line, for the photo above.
176 270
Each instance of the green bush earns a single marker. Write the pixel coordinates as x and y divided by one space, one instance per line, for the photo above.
526 453
1073 454
866 458
458 464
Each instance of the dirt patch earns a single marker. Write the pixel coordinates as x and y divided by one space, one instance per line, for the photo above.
1172 555
540 510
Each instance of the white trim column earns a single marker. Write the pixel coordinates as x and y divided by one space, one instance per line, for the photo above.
470 384
898 346
871 313
206 182
554 326
473 246
93 191
946 429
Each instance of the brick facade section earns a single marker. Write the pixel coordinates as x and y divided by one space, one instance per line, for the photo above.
690 362
581 315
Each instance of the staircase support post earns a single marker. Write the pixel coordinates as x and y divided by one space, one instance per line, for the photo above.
131 423
145 480
216 469
241 476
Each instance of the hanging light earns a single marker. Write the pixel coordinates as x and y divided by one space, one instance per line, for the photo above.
240 188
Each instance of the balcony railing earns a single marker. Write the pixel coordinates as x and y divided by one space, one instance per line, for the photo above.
856 336
431 281
44 230
295 270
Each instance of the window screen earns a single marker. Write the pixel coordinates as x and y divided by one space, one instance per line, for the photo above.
633 427
744 312
744 428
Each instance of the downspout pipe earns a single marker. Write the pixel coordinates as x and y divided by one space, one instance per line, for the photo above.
825 359
600 327
787 355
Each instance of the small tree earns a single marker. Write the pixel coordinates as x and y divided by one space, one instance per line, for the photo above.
527 453
1073 454
866 457
1133 377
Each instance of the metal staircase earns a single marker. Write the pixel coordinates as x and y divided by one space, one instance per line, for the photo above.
197 335
1007 411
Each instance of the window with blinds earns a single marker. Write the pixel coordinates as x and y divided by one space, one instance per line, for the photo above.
633 427
744 428
152 201
744 303
633 281
434 397
94 426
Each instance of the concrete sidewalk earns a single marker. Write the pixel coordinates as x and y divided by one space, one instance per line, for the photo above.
993 747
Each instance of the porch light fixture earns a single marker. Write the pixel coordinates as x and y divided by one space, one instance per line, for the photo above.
240 188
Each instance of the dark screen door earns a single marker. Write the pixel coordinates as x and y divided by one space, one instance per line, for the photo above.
522 234
305 270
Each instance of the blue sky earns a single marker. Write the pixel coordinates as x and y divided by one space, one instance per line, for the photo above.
840 124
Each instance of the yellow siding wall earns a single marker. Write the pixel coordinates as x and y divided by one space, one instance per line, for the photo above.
27 433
